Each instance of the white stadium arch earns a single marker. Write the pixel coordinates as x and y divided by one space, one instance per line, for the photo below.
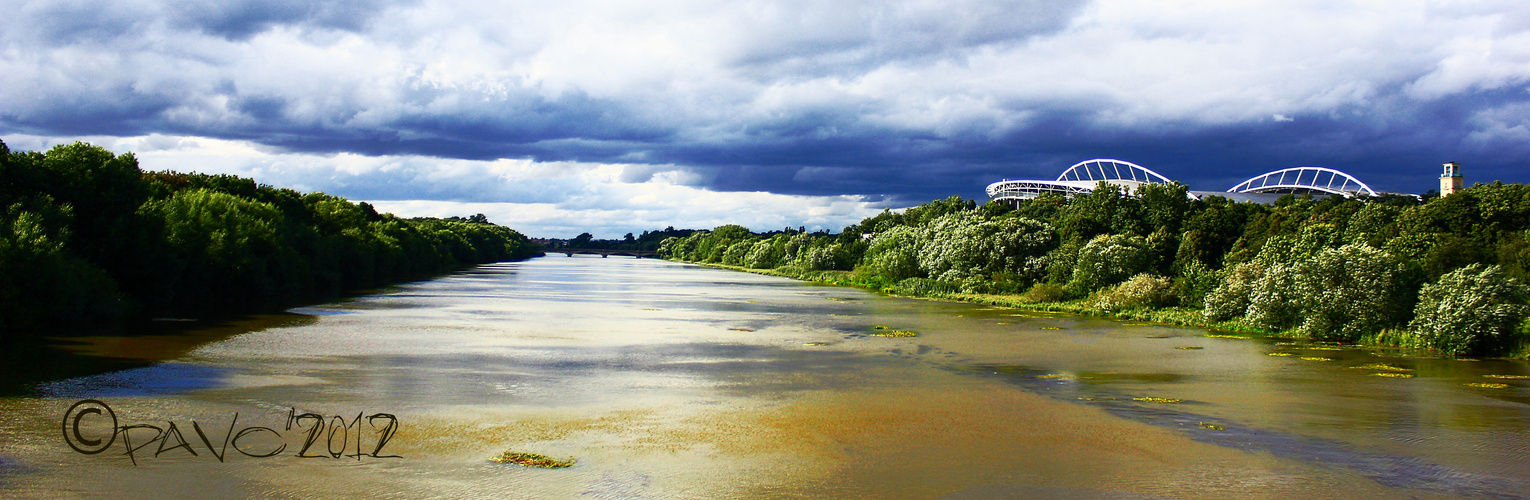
1081 178
1310 179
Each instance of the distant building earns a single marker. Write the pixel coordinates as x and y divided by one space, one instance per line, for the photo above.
1451 181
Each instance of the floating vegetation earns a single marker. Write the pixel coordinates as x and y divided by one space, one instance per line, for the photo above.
1156 400
1488 385
1281 354
1221 336
532 460
880 327
1209 425
1062 376
1096 399
740 329
1005 323
815 344
1509 377
1315 358
837 299
895 333
1189 348
1139 324
1382 367
1392 375
1051 328
1320 348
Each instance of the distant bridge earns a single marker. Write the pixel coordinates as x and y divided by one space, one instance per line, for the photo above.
603 253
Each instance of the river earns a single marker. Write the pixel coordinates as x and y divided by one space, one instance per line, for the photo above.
668 380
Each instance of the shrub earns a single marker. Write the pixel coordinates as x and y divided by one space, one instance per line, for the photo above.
765 254
1338 294
1107 260
1230 299
1472 310
960 246
1142 290
921 287
1046 292
1195 281
734 255
894 254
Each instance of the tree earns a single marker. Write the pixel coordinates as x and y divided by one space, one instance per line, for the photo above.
1107 260
1470 311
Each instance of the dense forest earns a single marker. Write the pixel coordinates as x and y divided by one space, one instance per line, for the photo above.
87 237
1445 274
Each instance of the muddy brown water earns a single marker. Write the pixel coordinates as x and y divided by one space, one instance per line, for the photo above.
666 380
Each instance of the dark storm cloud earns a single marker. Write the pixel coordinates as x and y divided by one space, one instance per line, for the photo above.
904 101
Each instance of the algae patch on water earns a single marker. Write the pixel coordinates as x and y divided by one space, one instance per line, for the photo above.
1382 367
880 327
532 460
894 333
1281 354
1488 385
1211 426
1051 328
1190 348
1315 358
1156 400
1221 336
1392 375
1509 377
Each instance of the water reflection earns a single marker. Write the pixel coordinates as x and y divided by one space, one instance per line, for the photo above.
674 381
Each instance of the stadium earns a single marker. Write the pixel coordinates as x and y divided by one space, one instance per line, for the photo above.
1084 176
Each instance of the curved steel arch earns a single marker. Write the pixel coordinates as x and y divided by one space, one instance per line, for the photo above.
1106 169
1309 178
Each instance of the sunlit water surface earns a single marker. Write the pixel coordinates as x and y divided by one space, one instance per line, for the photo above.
665 380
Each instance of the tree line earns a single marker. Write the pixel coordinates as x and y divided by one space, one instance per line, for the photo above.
86 237
1442 273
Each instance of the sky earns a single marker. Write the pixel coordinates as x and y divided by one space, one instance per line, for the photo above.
610 117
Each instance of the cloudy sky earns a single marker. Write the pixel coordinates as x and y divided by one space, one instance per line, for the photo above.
616 116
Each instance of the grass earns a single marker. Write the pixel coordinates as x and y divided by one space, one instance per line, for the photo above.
532 460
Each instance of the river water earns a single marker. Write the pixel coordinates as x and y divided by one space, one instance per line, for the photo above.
667 380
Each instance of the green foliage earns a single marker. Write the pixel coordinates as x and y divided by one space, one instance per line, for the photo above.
1471 311
1339 294
1046 292
1322 267
1108 259
1142 290
894 253
1195 282
86 236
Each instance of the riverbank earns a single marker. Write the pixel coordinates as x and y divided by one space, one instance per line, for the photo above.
1178 316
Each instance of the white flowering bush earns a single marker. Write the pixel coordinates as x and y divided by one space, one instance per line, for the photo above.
1142 290
1337 294
964 245
1230 299
1107 260
1471 310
